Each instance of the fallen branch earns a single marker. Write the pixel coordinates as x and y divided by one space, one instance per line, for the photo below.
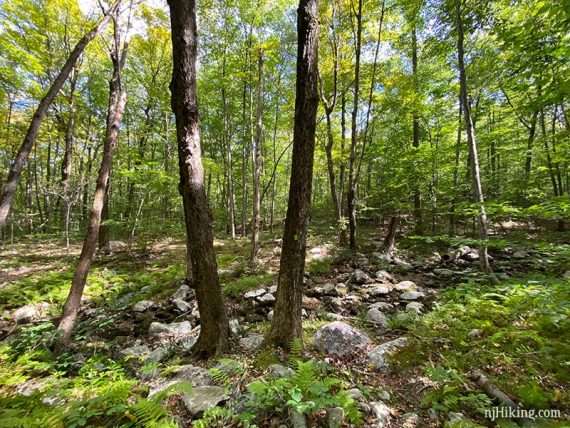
496 394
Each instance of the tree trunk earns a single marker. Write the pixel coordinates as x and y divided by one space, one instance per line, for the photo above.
117 101
104 227
34 128
256 151
66 162
390 238
452 216
214 330
470 129
529 148
416 135
287 325
351 194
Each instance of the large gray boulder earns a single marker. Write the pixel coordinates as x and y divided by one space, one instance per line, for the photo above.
203 398
382 413
143 305
378 356
175 328
406 286
378 318
338 338
252 342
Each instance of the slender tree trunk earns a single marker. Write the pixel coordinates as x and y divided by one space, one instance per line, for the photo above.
244 162
416 135
117 101
452 216
228 148
469 127
286 325
66 162
103 237
214 329
351 194
256 151
34 128
548 158
529 148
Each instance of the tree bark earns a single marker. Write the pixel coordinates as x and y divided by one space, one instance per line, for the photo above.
287 325
256 151
214 330
116 109
34 128
66 162
351 194
416 134
470 130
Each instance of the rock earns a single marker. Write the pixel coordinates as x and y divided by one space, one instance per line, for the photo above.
25 313
384 276
333 303
410 420
382 413
412 295
176 328
137 351
196 376
382 306
329 290
272 289
267 299
416 307
376 317
458 420
406 286
254 294
187 342
311 303
143 305
315 250
475 333
331 316
203 398
358 277
252 342
383 395
195 312
182 292
376 255
567 274
471 256
338 338
444 272
520 255
403 266
335 417
379 290
278 370
298 420
378 355
270 315
145 354
234 326
181 305
161 353
355 394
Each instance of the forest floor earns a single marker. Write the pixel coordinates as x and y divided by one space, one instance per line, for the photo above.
415 325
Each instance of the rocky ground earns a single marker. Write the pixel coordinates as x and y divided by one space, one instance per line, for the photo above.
353 314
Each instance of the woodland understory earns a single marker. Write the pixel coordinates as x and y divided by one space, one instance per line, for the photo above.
332 213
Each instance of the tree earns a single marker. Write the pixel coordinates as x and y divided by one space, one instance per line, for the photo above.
471 140
34 128
287 325
116 109
214 325
256 150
